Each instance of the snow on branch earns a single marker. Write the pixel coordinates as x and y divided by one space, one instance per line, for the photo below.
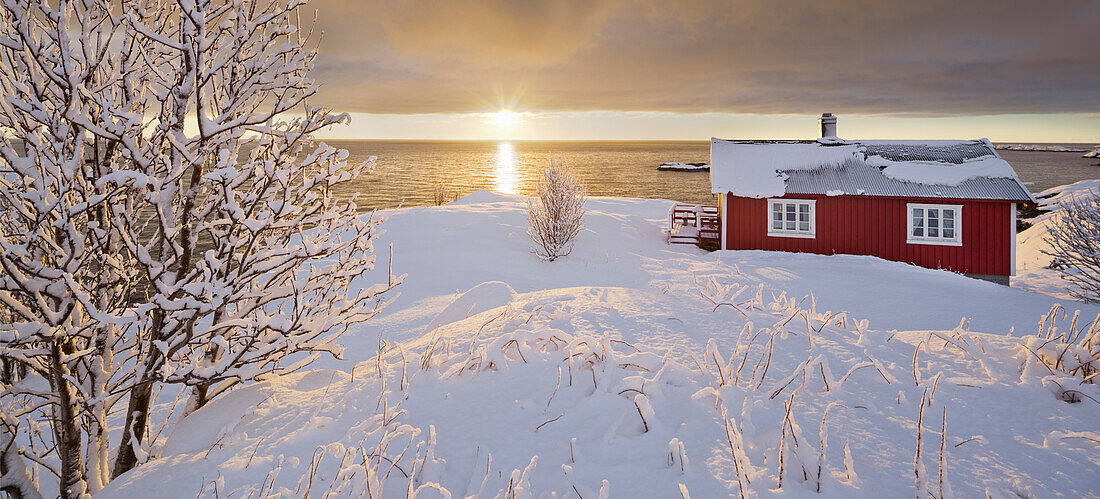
1074 241
162 220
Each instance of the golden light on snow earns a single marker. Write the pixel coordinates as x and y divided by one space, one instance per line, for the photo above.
506 171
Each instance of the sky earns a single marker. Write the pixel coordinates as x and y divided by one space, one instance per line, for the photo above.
649 69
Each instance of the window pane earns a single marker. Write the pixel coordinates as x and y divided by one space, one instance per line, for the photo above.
949 233
778 225
804 208
790 224
948 223
933 213
777 206
804 226
933 232
918 222
948 214
803 217
918 213
918 232
933 222
777 216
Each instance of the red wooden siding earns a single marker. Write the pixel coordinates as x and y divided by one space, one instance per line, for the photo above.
864 225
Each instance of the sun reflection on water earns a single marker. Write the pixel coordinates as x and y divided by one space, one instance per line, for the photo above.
506 177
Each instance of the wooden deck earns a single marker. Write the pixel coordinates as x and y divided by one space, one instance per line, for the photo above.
694 224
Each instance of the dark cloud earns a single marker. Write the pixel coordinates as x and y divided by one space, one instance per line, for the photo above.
779 56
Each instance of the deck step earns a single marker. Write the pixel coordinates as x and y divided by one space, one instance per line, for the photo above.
694 224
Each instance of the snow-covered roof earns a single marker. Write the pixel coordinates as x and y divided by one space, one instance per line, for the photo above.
964 169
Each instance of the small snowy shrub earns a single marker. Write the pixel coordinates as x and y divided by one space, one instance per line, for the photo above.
1071 355
1074 240
441 195
556 216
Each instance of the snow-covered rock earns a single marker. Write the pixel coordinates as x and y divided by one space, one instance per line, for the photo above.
684 167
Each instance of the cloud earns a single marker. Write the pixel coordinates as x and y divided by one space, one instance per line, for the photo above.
750 56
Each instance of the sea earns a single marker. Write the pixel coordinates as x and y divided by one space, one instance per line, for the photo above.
411 172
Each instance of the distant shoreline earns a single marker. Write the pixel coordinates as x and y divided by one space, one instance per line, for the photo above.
1039 148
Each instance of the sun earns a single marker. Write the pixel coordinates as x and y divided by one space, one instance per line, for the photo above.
505 118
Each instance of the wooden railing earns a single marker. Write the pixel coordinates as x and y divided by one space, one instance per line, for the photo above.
694 224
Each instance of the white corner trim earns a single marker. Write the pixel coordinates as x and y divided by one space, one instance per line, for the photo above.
723 212
1012 239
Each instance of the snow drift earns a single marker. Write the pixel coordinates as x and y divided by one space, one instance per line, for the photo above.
636 369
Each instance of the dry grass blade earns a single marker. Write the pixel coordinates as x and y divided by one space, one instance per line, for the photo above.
918 464
548 421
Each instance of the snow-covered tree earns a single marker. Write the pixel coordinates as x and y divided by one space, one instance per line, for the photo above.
556 215
1074 241
167 218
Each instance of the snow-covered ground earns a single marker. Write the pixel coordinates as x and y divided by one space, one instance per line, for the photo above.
639 369
1031 263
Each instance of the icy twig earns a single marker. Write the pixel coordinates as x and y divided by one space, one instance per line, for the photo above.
918 464
555 392
943 452
735 451
548 421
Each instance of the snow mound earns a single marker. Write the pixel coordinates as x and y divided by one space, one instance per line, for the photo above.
1052 198
938 173
484 296
579 390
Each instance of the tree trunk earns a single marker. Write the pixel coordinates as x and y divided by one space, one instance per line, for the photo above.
199 394
137 411
137 417
66 430
103 362
137 408
98 444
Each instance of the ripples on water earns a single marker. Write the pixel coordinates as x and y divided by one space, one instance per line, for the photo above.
407 170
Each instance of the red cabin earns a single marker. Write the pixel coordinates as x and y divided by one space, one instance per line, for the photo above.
937 204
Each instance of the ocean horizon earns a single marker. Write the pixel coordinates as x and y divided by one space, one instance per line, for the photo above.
409 172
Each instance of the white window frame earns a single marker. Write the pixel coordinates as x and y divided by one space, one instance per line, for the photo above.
940 240
811 234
